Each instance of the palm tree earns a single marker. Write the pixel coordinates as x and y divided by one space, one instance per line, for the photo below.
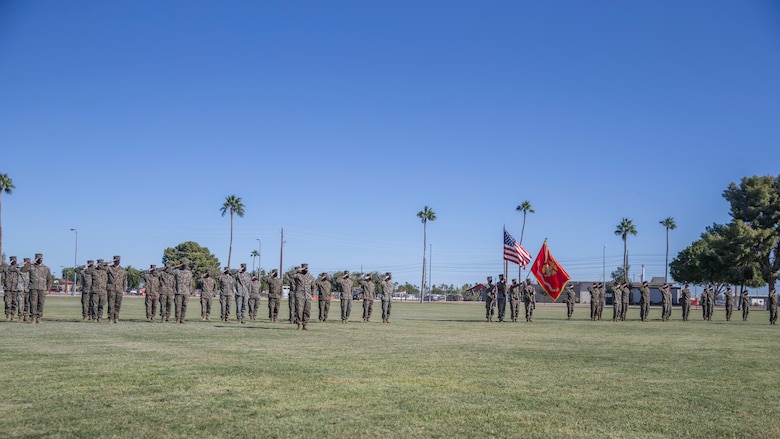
526 208
625 228
7 186
669 224
254 254
425 215
233 205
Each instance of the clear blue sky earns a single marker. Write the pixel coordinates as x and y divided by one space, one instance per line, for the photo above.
338 121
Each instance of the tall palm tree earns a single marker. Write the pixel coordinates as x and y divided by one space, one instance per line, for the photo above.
425 215
7 186
254 254
526 208
233 205
669 224
625 228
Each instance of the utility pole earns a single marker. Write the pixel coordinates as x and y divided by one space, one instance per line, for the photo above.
281 254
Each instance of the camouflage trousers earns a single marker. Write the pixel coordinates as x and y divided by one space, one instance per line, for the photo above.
241 306
253 304
644 310
273 308
151 301
114 305
37 300
489 307
98 302
86 305
745 312
205 305
623 310
23 304
180 302
387 304
529 309
166 304
729 311
302 308
617 310
291 306
11 303
514 309
224 306
686 310
346 308
368 307
324 305
569 310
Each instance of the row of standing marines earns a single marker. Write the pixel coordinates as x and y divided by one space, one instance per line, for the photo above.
26 285
496 297
169 287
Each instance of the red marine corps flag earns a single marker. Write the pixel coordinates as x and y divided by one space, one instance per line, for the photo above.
551 276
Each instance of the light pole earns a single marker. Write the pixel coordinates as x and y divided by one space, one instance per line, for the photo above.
259 254
75 262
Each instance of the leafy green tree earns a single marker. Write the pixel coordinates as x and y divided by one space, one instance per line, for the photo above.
233 205
409 289
133 277
756 202
625 228
620 275
199 259
526 208
6 186
68 273
669 224
425 215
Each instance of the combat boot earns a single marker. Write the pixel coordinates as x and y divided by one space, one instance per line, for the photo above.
304 328
299 326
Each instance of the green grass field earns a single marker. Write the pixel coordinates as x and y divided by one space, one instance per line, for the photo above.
437 371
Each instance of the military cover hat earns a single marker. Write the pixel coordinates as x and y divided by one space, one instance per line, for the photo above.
304 266
38 255
90 261
274 271
116 258
489 278
152 266
100 261
26 259
12 258
243 264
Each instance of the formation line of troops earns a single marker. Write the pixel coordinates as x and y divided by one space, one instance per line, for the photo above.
496 298
25 286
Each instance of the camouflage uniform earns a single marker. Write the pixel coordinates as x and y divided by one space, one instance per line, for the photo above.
685 301
291 295
208 286
594 301
529 298
772 299
9 294
98 295
243 286
324 288
304 291
515 296
345 286
729 304
254 298
501 297
626 299
227 293
275 291
167 292
23 297
368 287
86 290
490 299
151 279
183 278
708 303
745 298
40 282
117 276
644 301
617 302
571 299
666 308
388 288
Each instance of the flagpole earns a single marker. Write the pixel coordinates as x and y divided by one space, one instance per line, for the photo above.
506 263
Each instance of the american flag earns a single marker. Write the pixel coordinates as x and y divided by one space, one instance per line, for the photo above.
514 252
